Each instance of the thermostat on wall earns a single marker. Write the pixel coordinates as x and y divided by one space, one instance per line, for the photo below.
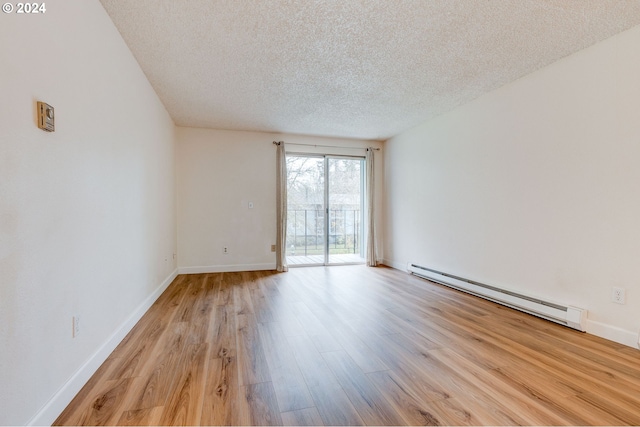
46 117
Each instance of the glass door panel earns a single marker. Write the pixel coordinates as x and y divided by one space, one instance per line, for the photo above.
345 201
306 238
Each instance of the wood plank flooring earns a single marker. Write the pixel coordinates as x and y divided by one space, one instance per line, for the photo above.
352 346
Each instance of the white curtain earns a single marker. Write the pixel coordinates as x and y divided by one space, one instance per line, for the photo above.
281 201
372 258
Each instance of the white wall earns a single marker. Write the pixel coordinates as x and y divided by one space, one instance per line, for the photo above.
533 187
219 173
87 213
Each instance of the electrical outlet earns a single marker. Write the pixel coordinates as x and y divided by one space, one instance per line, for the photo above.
618 295
225 250
273 248
76 326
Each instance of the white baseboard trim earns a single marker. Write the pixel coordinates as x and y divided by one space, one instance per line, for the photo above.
613 333
602 330
54 407
226 268
397 265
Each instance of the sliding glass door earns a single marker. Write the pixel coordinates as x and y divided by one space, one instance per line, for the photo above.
345 200
325 216
305 210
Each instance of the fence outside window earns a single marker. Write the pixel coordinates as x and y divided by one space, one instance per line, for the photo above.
305 231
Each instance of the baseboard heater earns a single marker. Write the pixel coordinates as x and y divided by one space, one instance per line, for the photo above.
572 317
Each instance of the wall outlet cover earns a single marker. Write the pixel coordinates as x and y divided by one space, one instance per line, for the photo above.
76 326
618 295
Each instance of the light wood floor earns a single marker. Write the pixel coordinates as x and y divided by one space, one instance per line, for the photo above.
352 345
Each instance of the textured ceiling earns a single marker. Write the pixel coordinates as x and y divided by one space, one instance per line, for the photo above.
349 68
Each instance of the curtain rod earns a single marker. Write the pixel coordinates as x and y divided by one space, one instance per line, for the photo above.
324 146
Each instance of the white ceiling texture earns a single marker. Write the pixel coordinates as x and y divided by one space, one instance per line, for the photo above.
348 68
